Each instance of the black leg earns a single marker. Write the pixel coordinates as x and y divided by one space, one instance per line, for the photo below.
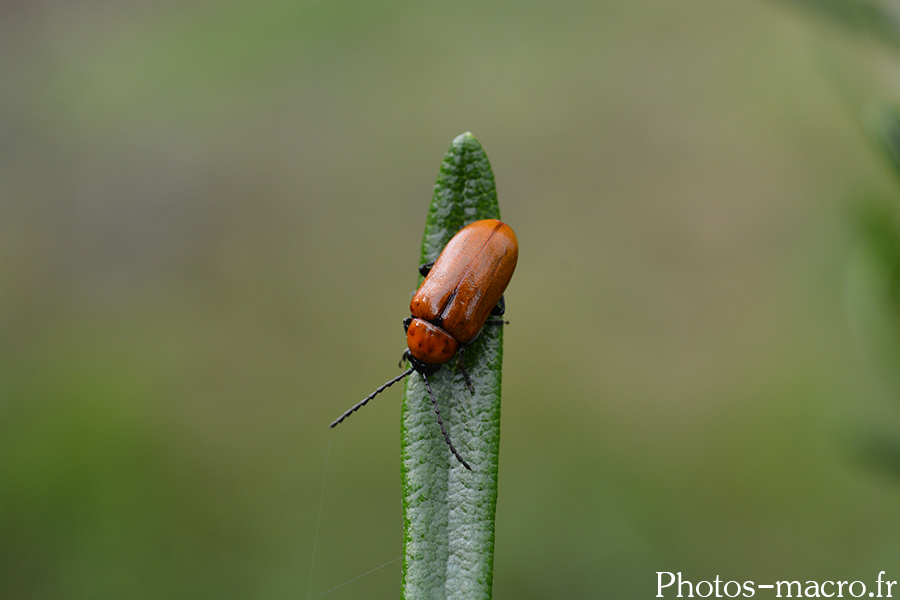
461 365
499 309
425 269
403 358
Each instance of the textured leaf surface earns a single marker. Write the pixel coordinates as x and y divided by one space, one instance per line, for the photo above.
448 511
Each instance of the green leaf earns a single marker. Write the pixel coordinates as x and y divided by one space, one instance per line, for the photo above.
448 511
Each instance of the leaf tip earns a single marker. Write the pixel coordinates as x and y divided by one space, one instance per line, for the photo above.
466 139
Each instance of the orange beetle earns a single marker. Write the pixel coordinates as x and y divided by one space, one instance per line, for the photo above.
462 288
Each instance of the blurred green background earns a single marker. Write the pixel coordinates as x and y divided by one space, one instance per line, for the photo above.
210 219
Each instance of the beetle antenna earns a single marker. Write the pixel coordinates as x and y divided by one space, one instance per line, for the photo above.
441 423
365 400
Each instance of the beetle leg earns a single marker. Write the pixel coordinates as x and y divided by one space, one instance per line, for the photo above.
441 423
461 365
406 323
425 269
403 357
496 322
499 309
